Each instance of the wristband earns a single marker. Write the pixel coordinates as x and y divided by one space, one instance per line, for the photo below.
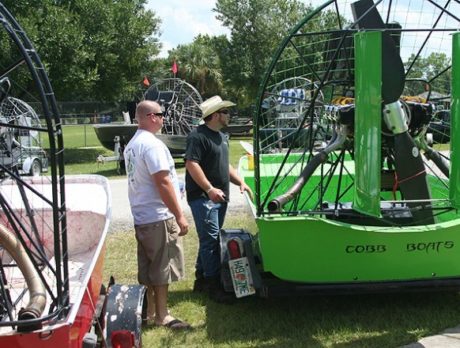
209 189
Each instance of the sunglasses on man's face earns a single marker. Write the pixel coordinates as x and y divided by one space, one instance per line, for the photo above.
159 114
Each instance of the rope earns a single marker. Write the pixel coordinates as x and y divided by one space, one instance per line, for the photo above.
397 182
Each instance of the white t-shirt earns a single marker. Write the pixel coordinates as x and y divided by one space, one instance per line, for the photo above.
145 155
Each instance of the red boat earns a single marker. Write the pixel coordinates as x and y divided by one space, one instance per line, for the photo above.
52 233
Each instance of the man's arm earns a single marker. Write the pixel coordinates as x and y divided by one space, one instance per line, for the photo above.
168 195
235 179
197 174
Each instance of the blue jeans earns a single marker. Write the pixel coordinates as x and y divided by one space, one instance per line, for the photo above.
209 218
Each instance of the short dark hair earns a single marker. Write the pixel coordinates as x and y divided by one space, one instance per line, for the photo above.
208 118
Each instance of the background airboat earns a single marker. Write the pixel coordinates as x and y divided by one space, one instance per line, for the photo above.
352 191
53 228
180 101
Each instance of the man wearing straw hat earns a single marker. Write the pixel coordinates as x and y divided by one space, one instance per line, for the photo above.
207 179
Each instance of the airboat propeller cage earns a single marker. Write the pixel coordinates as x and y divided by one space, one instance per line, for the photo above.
353 226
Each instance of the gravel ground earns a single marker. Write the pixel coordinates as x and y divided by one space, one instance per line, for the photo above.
121 213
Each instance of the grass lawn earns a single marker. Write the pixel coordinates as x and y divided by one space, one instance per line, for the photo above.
82 148
317 321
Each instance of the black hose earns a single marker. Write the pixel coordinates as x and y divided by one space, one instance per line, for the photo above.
438 160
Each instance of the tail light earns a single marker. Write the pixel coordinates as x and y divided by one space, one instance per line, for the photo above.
122 339
235 248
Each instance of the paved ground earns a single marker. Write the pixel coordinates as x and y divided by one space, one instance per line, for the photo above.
450 338
122 220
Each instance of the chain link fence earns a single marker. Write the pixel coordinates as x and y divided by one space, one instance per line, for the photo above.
78 119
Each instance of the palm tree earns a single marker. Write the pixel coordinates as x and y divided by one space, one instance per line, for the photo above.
199 65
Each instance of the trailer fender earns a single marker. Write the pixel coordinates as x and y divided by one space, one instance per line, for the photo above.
245 240
123 315
27 164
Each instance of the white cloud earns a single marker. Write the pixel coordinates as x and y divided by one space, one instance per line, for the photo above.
183 20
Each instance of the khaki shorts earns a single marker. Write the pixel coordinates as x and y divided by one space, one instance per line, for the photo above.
160 258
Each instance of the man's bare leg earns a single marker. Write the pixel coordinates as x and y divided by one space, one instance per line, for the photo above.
162 316
150 303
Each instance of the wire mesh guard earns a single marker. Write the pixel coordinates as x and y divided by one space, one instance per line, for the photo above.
34 278
19 146
180 102
305 121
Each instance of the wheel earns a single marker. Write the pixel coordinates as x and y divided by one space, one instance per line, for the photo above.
35 168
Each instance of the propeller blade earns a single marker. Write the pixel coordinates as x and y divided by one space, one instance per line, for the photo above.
392 66
412 178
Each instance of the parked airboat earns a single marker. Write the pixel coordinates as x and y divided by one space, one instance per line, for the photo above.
350 195
52 237
180 101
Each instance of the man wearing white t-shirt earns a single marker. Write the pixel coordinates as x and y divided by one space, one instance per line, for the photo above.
154 197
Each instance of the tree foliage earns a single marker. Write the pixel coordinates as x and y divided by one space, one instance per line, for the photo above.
256 30
433 69
200 64
92 49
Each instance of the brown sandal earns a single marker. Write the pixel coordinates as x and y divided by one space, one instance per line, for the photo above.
176 324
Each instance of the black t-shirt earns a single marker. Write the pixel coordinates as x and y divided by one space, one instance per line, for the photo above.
210 150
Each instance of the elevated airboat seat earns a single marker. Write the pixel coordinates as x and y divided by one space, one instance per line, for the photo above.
162 97
291 96
290 105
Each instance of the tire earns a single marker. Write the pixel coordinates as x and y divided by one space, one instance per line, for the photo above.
35 168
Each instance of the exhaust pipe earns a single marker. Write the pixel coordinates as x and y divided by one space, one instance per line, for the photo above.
276 204
37 291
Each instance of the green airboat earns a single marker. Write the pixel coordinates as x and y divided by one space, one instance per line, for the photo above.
351 193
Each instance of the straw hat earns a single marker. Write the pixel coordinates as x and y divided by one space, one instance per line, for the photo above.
214 104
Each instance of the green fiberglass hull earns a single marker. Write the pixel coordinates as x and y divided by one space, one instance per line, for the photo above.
320 249
317 250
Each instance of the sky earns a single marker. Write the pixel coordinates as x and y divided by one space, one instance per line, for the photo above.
183 20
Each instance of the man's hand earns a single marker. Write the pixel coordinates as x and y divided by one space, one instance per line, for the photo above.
183 225
244 187
216 195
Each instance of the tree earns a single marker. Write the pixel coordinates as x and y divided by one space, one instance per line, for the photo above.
256 28
92 49
433 69
199 64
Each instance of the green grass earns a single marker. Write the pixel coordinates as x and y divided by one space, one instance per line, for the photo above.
316 321
82 148
76 136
